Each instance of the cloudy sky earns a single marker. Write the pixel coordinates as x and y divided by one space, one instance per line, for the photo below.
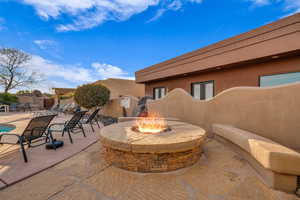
73 42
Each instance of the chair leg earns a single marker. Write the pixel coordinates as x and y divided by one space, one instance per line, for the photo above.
29 144
51 138
82 130
23 152
92 127
63 132
47 138
70 137
98 123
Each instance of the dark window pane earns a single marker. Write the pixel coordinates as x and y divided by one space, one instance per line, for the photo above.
159 92
203 90
279 79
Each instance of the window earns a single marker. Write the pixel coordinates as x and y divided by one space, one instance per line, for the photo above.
159 92
203 90
279 79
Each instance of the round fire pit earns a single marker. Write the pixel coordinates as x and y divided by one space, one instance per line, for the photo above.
177 147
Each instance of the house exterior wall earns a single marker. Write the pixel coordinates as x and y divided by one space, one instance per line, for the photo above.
245 75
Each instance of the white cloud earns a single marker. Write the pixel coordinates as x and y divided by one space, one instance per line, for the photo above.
70 73
45 44
65 75
109 71
175 5
290 6
260 2
87 14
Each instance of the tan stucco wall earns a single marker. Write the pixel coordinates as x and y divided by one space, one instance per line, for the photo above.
114 109
272 112
33 100
123 87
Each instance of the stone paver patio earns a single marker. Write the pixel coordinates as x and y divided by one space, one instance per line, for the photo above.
12 166
220 175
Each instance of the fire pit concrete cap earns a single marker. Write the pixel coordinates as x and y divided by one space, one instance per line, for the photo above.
182 137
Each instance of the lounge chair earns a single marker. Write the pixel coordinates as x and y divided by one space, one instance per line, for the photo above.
92 118
69 126
35 131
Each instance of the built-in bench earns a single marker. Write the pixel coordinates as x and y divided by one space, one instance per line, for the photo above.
277 165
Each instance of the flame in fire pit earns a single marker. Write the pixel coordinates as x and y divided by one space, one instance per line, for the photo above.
153 123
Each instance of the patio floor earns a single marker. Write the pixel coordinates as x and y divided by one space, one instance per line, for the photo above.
12 166
220 175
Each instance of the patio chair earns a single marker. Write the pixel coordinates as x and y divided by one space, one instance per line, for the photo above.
35 131
69 126
92 118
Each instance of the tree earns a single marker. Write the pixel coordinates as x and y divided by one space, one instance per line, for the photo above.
91 95
37 93
13 73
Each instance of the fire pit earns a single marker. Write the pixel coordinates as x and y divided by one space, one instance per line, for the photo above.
152 145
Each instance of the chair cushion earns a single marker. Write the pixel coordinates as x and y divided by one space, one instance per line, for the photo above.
268 153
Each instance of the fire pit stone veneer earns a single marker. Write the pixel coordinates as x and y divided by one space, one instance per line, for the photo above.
177 148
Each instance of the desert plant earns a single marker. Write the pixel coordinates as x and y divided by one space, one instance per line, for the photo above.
91 95
7 98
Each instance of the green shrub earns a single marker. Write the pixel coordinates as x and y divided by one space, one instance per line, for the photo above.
91 95
7 98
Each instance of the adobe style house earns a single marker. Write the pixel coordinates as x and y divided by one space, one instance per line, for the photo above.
266 56
123 87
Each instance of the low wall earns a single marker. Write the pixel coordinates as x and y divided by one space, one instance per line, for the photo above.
38 101
272 112
114 108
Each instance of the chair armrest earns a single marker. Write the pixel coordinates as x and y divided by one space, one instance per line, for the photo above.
56 124
10 134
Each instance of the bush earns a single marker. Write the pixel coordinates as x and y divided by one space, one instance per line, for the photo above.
37 93
6 98
91 95
24 92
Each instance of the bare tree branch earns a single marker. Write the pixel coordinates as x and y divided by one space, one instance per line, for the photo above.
13 74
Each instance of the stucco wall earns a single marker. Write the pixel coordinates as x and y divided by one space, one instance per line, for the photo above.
114 109
272 112
33 100
123 87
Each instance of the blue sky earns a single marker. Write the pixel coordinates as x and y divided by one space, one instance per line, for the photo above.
73 42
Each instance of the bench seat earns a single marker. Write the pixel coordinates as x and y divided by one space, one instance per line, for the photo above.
268 153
